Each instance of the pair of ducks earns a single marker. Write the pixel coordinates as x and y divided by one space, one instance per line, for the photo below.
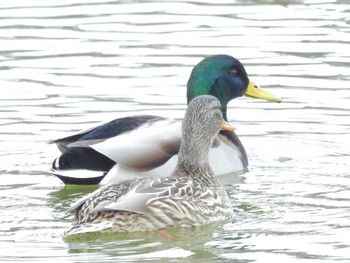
190 195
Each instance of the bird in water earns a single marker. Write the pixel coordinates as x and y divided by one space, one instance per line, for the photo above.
190 196
147 145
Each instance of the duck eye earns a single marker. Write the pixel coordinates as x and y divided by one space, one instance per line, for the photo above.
233 71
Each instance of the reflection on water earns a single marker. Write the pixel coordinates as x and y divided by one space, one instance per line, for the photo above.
66 65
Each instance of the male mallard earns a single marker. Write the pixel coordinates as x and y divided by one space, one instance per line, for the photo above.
191 196
148 145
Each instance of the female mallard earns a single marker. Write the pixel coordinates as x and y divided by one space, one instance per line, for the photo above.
148 145
191 196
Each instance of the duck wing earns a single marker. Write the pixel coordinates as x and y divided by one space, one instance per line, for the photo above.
76 150
135 195
100 197
99 133
149 146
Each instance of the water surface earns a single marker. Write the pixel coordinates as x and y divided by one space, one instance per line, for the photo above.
67 65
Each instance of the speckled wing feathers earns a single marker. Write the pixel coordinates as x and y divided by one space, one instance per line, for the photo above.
143 195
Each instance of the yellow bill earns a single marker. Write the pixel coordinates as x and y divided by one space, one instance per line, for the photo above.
227 127
255 91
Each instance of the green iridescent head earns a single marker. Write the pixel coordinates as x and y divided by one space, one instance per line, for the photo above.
224 77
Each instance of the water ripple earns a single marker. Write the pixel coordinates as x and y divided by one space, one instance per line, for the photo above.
66 65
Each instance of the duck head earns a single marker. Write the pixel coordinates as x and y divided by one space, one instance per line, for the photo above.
224 77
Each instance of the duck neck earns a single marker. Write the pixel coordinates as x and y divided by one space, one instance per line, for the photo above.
193 159
223 95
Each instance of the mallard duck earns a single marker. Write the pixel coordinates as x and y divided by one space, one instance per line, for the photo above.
147 145
190 196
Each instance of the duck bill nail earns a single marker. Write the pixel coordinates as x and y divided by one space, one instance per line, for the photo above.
256 92
227 127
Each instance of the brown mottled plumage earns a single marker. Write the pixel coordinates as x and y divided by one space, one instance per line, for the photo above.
191 196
